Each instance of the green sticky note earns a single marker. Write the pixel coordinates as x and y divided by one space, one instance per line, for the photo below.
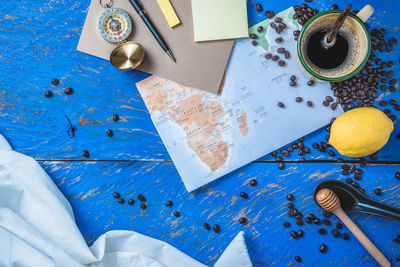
219 19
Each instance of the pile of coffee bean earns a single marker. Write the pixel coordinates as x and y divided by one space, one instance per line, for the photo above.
311 219
303 13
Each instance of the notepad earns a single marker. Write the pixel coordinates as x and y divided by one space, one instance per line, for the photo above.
219 19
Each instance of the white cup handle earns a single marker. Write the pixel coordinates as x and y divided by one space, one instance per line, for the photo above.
365 13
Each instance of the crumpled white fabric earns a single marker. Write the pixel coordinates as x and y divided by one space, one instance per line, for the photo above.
37 228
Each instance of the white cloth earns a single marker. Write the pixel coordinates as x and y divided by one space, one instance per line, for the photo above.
37 228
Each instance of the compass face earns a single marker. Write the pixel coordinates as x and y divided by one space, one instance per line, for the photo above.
114 25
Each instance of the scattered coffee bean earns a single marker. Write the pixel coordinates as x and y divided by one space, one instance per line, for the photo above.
326 214
287 54
335 233
207 226
321 231
268 56
293 83
290 197
299 99
357 177
294 234
253 36
259 7
68 91
297 258
244 195
55 81
253 182
141 198
275 58
397 175
281 165
310 83
177 214
308 220
131 202
270 14
115 117
300 233
345 236
281 105
242 220
290 205
169 203
121 200
281 50
286 224
334 6
290 213
260 28
309 103
278 158
378 191
116 195
48 94
279 40
316 221
110 133
339 226
216 228
323 248
299 222
143 206
254 43
85 153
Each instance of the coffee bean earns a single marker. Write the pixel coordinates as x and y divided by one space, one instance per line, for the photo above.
308 220
316 221
361 190
339 226
331 153
275 58
281 63
357 177
281 50
254 43
299 216
287 54
143 206
349 180
321 231
110 133
216 228
169 203
131 202
85 153
115 117
299 222
326 214
259 7
116 195
398 175
323 248
293 78
310 83
309 103
293 83
141 198
260 28
253 36
294 234
48 94
121 200
345 236
242 220
295 211
297 258
207 226
278 19
299 99
268 56
281 105
290 197
68 91
279 40
290 213
296 33
253 182
326 222
286 224
281 165
334 6
270 14
278 158
244 195
358 171
177 214
390 63
378 191
300 233
272 25
55 81
335 233
274 153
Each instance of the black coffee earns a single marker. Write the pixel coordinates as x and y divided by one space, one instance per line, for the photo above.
327 58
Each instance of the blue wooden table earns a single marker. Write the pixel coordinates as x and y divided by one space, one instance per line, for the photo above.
38 42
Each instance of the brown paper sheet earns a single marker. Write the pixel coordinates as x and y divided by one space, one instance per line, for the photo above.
199 65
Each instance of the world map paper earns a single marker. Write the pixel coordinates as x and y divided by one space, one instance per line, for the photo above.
208 135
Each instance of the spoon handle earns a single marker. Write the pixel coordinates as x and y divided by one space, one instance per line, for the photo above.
378 208
338 23
364 240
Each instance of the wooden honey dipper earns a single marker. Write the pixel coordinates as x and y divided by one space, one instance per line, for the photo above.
329 201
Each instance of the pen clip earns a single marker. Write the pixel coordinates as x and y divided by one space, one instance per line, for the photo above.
140 4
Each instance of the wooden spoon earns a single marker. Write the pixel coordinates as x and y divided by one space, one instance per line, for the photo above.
329 39
329 201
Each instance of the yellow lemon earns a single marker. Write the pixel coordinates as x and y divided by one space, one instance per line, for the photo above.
360 132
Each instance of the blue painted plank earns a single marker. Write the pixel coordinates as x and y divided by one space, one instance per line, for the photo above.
37 43
89 188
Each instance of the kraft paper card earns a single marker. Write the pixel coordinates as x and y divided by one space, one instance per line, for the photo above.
199 65
219 19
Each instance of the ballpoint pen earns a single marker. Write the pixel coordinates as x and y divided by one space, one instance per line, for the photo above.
138 6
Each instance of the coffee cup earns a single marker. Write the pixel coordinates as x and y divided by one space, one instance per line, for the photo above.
350 52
